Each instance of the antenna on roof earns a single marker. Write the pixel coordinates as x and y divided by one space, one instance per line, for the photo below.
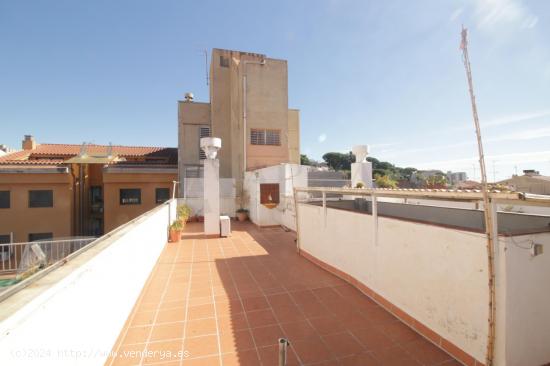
84 150
487 205
206 65
110 150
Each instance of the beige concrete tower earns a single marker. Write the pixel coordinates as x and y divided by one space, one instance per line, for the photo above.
248 110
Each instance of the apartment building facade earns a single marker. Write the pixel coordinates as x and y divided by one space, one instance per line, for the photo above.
59 190
248 110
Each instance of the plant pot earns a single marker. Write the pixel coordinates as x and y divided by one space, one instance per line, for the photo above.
175 235
242 216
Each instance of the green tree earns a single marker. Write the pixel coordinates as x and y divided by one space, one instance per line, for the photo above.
304 160
338 161
384 181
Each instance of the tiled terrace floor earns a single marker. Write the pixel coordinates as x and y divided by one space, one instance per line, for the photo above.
227 301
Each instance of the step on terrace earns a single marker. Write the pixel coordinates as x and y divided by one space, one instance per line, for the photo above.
227 301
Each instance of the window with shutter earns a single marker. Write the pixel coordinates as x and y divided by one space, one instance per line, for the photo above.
265 137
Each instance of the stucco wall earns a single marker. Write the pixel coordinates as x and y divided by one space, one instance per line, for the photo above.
23 220
527 301
287 176
116 214
434 274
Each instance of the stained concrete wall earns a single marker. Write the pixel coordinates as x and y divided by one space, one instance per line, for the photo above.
527 301
436 275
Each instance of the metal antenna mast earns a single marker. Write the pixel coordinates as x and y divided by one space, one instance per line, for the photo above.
488 214
206 65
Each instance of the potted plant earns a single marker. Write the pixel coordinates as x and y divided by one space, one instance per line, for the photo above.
242 201
175 231
183 213
242 214
360 185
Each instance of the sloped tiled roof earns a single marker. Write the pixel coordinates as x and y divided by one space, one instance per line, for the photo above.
55 154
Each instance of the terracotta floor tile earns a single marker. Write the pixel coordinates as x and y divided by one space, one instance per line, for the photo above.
399 332
270 356
288 313
201 346
297 331
167 331
373 339
326 325
312 350
171 315
426 353
241 358
255 303
136 335
261 318
342 344
260 289
233 323
205 361
267 336
163 351
128 355
143 318
280 299
394 356
237 341
361 359
201 327
200 311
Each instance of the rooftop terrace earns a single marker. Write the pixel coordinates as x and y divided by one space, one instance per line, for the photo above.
226 301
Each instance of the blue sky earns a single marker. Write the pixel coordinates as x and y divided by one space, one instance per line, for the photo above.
384 73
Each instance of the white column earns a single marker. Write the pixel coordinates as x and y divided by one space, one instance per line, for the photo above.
211 196
361 172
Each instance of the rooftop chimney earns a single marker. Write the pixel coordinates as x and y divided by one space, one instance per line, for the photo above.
29 143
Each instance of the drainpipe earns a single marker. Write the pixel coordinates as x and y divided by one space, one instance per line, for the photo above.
244 108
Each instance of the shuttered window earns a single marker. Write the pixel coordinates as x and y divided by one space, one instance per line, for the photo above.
43 198
265 137
130 196
4 199
203 132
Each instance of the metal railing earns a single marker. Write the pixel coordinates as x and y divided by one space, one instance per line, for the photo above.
19 258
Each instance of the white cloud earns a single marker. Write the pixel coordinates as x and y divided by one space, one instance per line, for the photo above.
492 15
322 137
457 13
513 158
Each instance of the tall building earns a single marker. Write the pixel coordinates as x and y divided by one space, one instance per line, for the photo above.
248 110
454 178
60 190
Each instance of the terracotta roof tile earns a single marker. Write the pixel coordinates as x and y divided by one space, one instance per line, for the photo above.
55 154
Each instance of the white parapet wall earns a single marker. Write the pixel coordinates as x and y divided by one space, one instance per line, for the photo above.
437 276
77 320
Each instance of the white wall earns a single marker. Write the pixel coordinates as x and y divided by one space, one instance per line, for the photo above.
439 277
527 301
436 275
85 311
287 176
193 196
